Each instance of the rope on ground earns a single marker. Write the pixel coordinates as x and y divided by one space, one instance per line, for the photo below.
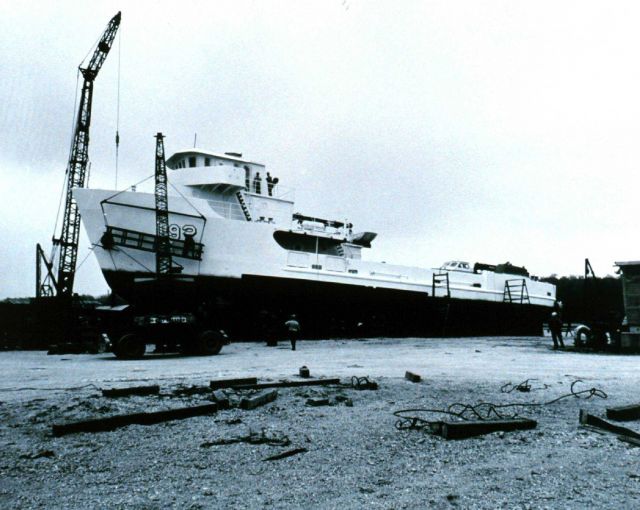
523 387
363 383
484 410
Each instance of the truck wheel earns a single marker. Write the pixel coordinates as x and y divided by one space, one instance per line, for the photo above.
582 337
130 347
209 342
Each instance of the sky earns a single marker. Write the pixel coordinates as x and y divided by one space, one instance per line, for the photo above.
481 131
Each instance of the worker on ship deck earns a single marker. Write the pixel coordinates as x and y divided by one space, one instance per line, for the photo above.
271 183
257 183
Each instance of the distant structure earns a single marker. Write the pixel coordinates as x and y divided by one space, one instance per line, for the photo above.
631 293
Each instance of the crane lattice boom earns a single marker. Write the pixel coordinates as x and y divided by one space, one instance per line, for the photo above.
78 160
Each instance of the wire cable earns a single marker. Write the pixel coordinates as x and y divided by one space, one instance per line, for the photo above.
118 107
483 410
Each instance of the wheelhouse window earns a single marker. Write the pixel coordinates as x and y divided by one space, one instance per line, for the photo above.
192 161
207 161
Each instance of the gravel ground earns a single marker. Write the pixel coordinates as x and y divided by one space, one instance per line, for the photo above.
355 456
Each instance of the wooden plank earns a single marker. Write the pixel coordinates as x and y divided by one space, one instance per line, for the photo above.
288 384
624 413
410 376
288 453
465 429
594 421
259 400
630 440
134 390
230 383
123 420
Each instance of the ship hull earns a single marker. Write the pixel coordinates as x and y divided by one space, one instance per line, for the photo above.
251 275
253 307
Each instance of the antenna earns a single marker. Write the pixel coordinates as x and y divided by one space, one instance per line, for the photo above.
195 139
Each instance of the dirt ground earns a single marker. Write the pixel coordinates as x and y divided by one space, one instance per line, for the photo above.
355 457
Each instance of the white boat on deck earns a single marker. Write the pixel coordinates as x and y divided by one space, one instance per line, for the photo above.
239 247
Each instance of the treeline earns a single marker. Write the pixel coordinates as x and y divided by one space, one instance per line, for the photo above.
589 299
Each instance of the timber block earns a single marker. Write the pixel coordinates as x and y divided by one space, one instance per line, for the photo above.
258 400
221 399
466 429
231 383
624 413
410 376
134 390
316 402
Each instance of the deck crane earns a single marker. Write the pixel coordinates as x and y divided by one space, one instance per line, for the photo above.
75 178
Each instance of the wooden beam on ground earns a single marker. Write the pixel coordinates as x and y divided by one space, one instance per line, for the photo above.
410 376
230 383
123 420
287 384
288 453
258 400
594 421
624 413
630 440
466 429
134 390
316 402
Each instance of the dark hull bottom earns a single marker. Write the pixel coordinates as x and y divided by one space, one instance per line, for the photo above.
256 307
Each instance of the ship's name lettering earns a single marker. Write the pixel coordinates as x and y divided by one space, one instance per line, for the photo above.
179 231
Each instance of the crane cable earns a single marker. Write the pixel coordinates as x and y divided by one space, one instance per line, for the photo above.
118 106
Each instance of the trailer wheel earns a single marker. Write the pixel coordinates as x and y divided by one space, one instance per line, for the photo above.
130 346
210 342
582 336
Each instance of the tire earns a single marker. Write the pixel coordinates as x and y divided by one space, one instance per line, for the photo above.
582 337
210 342
130 347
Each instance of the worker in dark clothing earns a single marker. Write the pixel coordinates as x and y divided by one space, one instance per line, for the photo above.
269 184
257 183
293 327
555 326
189 246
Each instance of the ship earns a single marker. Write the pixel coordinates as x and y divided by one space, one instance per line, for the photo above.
241 253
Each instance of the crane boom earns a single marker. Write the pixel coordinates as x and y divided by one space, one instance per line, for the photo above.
77 166
163 247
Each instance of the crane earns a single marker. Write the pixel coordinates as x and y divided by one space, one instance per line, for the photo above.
75 178
163 250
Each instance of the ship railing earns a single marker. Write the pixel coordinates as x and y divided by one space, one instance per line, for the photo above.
278 191
115 236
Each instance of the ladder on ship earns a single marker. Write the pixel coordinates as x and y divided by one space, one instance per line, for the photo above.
440 281
515 291
243 205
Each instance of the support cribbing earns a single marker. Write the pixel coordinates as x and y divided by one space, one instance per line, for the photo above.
77 166
163 247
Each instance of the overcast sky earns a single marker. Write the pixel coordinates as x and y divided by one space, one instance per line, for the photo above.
481 131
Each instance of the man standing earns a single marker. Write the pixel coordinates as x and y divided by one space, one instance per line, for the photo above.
257 183
555 326
293 326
